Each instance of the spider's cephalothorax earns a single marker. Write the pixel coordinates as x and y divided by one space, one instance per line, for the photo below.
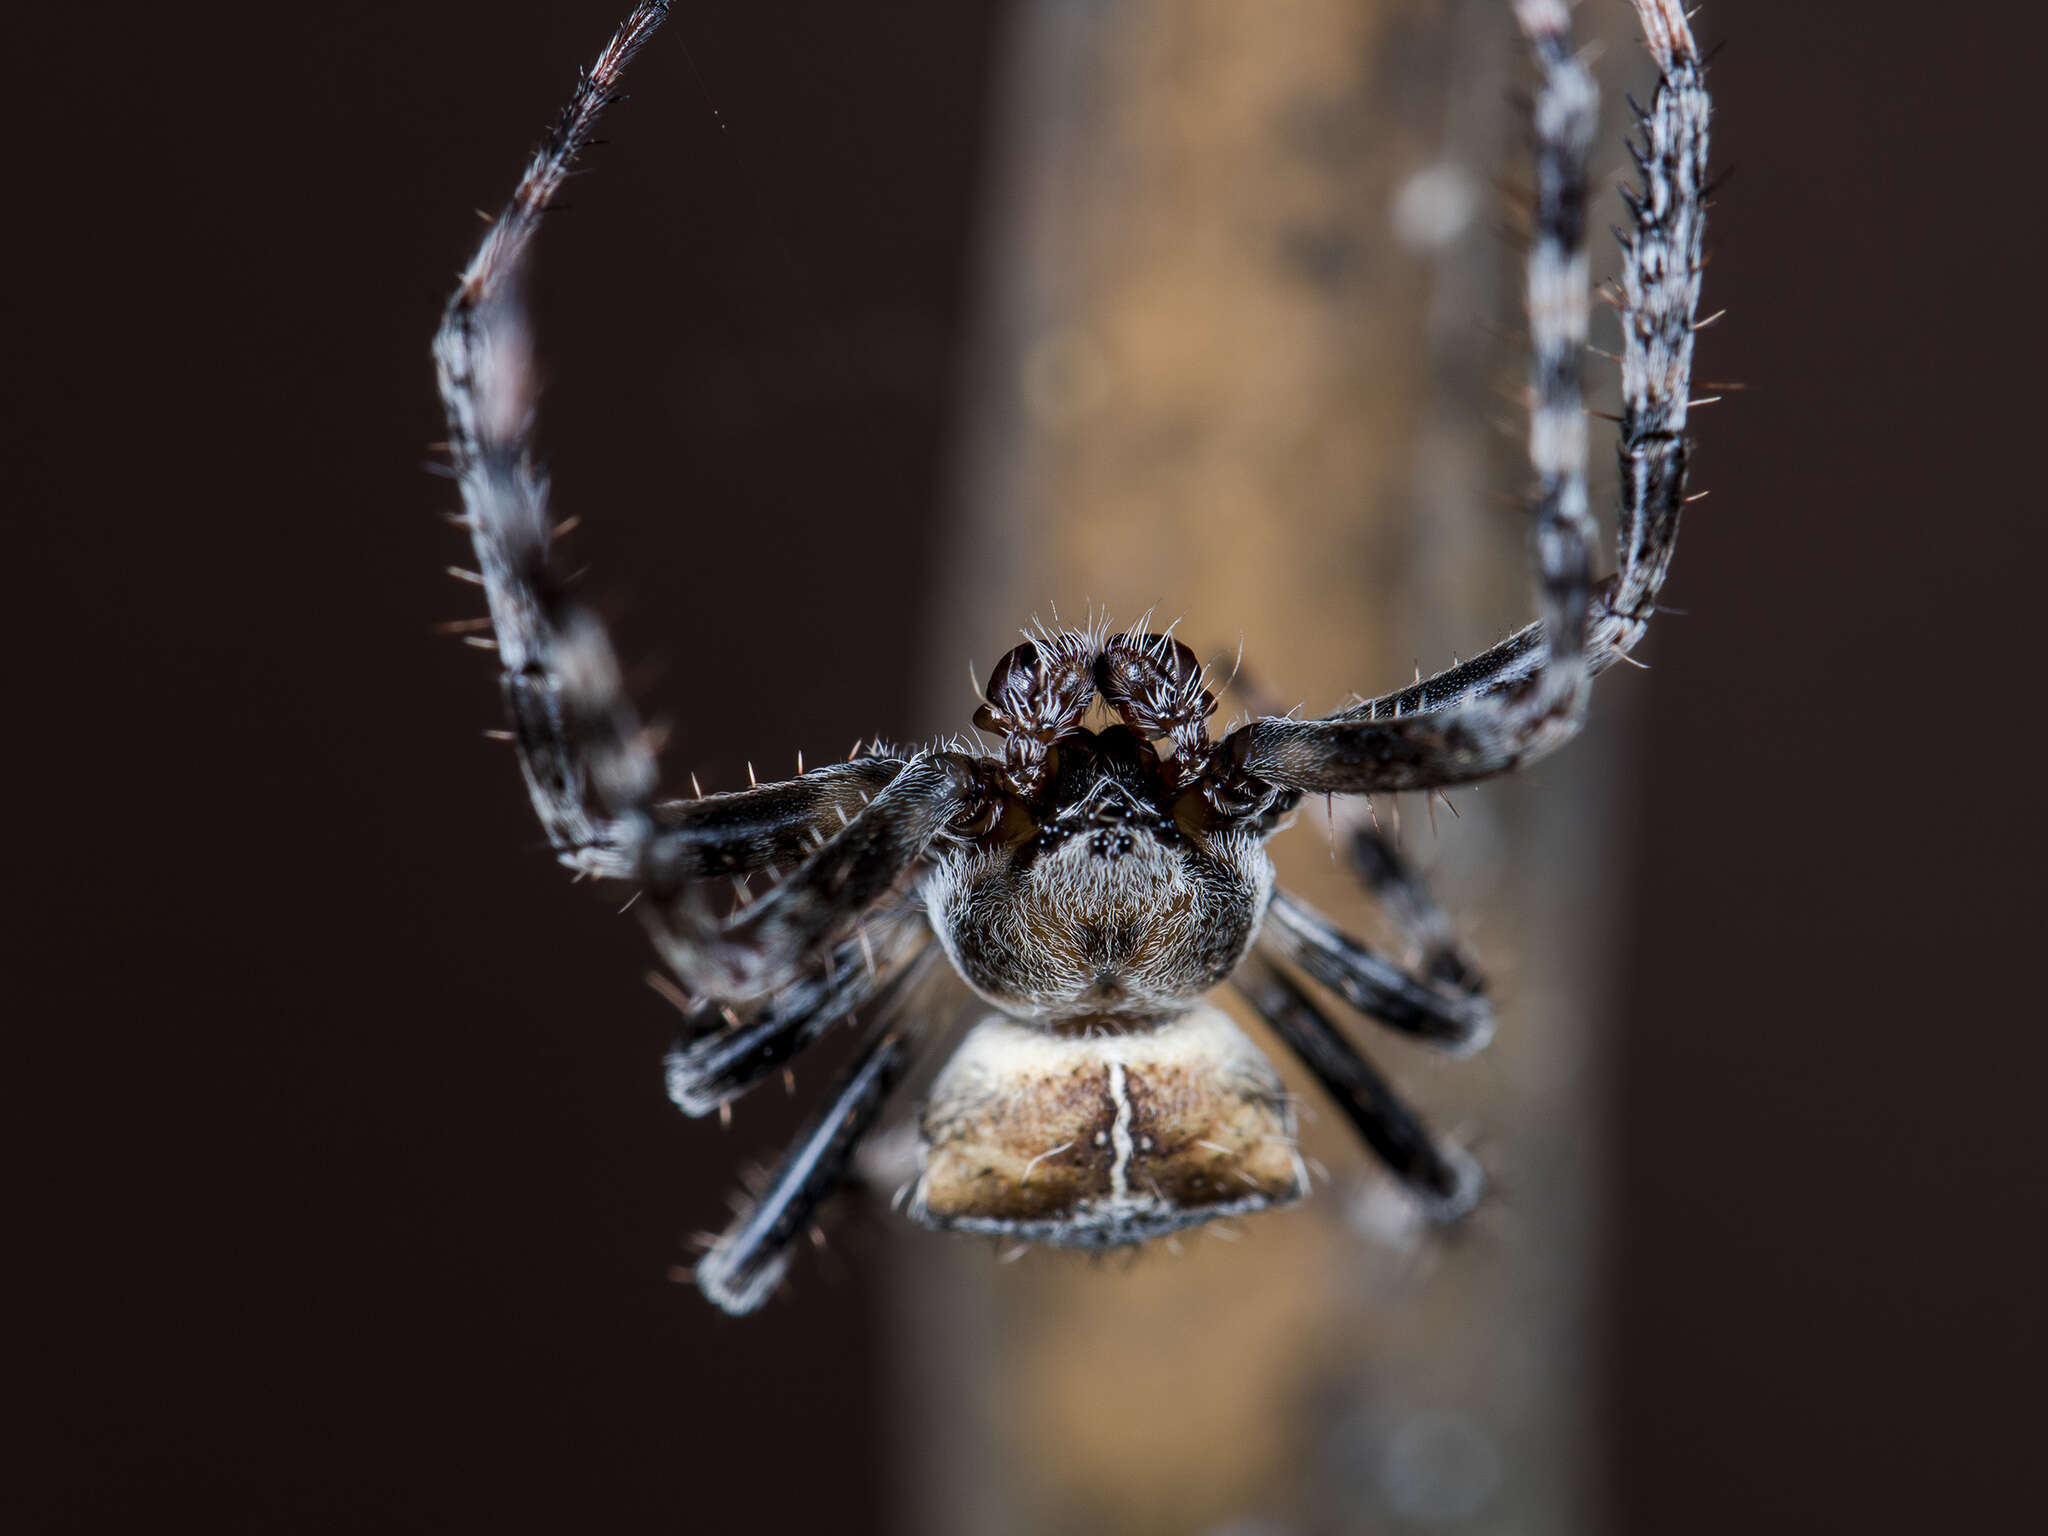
1090 886
1107 897
1109 888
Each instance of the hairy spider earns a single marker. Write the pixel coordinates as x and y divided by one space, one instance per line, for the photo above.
1089 887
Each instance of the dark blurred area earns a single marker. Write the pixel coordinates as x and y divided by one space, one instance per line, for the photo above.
347 1214
1833 1173
345 1187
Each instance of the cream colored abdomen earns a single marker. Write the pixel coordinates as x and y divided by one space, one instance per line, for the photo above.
1101 1140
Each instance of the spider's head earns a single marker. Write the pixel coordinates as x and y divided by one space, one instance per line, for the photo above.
1117 894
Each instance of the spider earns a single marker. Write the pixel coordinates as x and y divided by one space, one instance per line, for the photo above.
1090 886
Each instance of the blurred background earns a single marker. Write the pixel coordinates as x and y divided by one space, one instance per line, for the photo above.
344 1189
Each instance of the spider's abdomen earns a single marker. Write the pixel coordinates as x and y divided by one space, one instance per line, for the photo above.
1096 1141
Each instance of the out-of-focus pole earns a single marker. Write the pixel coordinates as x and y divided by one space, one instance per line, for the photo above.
1249 354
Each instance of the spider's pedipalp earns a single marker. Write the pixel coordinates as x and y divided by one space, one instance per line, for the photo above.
1158 687
1038 693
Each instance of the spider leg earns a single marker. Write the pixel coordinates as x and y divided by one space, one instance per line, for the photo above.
588 765
1444 1178
1660 295
750 1257
771 824
1404 897
773 941
1526 696
1454 1018
720 1058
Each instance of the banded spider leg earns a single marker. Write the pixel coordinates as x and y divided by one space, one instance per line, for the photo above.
1526 695
588 762
1440 1002
801 955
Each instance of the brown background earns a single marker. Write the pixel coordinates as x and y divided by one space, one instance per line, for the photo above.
344 1183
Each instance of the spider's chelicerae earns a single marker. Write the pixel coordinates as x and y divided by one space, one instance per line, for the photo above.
1090 886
